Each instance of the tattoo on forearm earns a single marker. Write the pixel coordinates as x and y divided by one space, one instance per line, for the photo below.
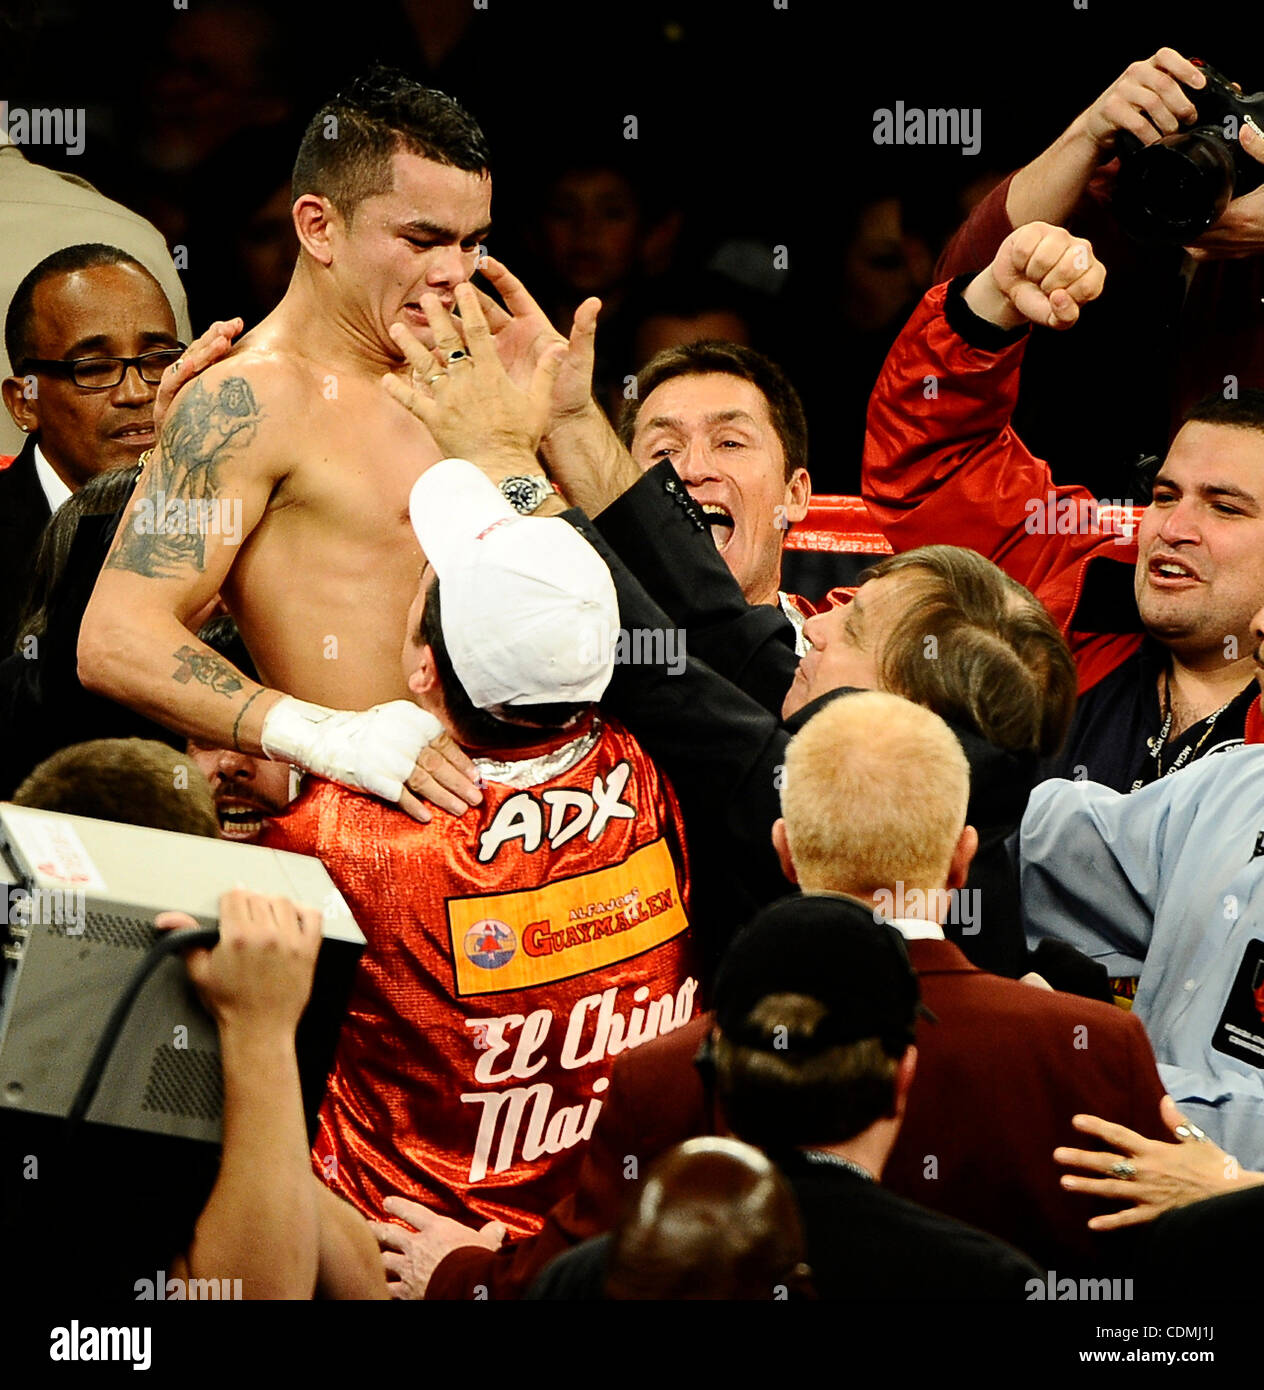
241 714
207 669
163 534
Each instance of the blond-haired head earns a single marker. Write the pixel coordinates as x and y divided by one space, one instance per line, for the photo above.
874 794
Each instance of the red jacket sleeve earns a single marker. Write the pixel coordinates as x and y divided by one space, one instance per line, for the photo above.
943 465
974 244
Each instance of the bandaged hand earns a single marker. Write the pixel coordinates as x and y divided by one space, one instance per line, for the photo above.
383 750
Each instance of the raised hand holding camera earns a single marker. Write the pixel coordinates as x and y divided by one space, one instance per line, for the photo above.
1174 188
1150 99
1240 231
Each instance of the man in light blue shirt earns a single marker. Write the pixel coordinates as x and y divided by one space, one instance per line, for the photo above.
1168 883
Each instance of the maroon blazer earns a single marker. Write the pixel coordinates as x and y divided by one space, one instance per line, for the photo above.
998 1078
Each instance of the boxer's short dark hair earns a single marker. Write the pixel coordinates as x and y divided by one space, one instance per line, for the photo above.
222 635
345 153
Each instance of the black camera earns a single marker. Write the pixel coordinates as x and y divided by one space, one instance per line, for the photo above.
1173 190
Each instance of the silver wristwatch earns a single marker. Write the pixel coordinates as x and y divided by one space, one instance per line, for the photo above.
525 494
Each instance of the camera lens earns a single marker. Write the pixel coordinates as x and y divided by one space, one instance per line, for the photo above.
1175 189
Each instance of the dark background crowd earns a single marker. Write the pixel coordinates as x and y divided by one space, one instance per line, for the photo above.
753 125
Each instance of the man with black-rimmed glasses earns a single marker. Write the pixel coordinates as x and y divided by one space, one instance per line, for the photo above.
90 333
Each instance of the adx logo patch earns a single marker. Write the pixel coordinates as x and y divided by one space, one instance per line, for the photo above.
558 815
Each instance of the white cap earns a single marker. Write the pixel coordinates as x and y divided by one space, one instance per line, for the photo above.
529 611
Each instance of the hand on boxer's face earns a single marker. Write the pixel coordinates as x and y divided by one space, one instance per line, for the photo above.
524 333
461 392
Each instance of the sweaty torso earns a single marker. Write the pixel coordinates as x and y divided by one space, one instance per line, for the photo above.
322 585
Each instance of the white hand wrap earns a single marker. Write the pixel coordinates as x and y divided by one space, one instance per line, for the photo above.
372 750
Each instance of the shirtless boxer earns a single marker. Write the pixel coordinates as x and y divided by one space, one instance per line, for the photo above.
282 475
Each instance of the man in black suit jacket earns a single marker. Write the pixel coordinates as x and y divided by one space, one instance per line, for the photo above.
24 512
813 1061
90 333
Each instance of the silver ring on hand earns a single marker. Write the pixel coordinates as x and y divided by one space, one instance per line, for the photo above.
1191 1131
457 355
1125 1169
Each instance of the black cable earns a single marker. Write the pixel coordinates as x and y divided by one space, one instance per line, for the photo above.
168 943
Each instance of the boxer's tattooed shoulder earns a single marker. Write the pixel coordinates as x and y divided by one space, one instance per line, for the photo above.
163 535
207 669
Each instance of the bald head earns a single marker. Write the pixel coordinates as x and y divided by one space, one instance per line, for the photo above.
715 1220
875 793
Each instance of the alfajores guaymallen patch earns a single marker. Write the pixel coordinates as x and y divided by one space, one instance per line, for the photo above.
568 927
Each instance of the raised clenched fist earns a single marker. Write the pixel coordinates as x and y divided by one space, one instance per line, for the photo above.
1040 274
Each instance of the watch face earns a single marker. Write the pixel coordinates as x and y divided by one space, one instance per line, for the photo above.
524 494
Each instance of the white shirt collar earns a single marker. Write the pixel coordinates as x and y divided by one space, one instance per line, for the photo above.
54 489
801 644
917 929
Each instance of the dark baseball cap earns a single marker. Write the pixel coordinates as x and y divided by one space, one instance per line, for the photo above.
831 949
